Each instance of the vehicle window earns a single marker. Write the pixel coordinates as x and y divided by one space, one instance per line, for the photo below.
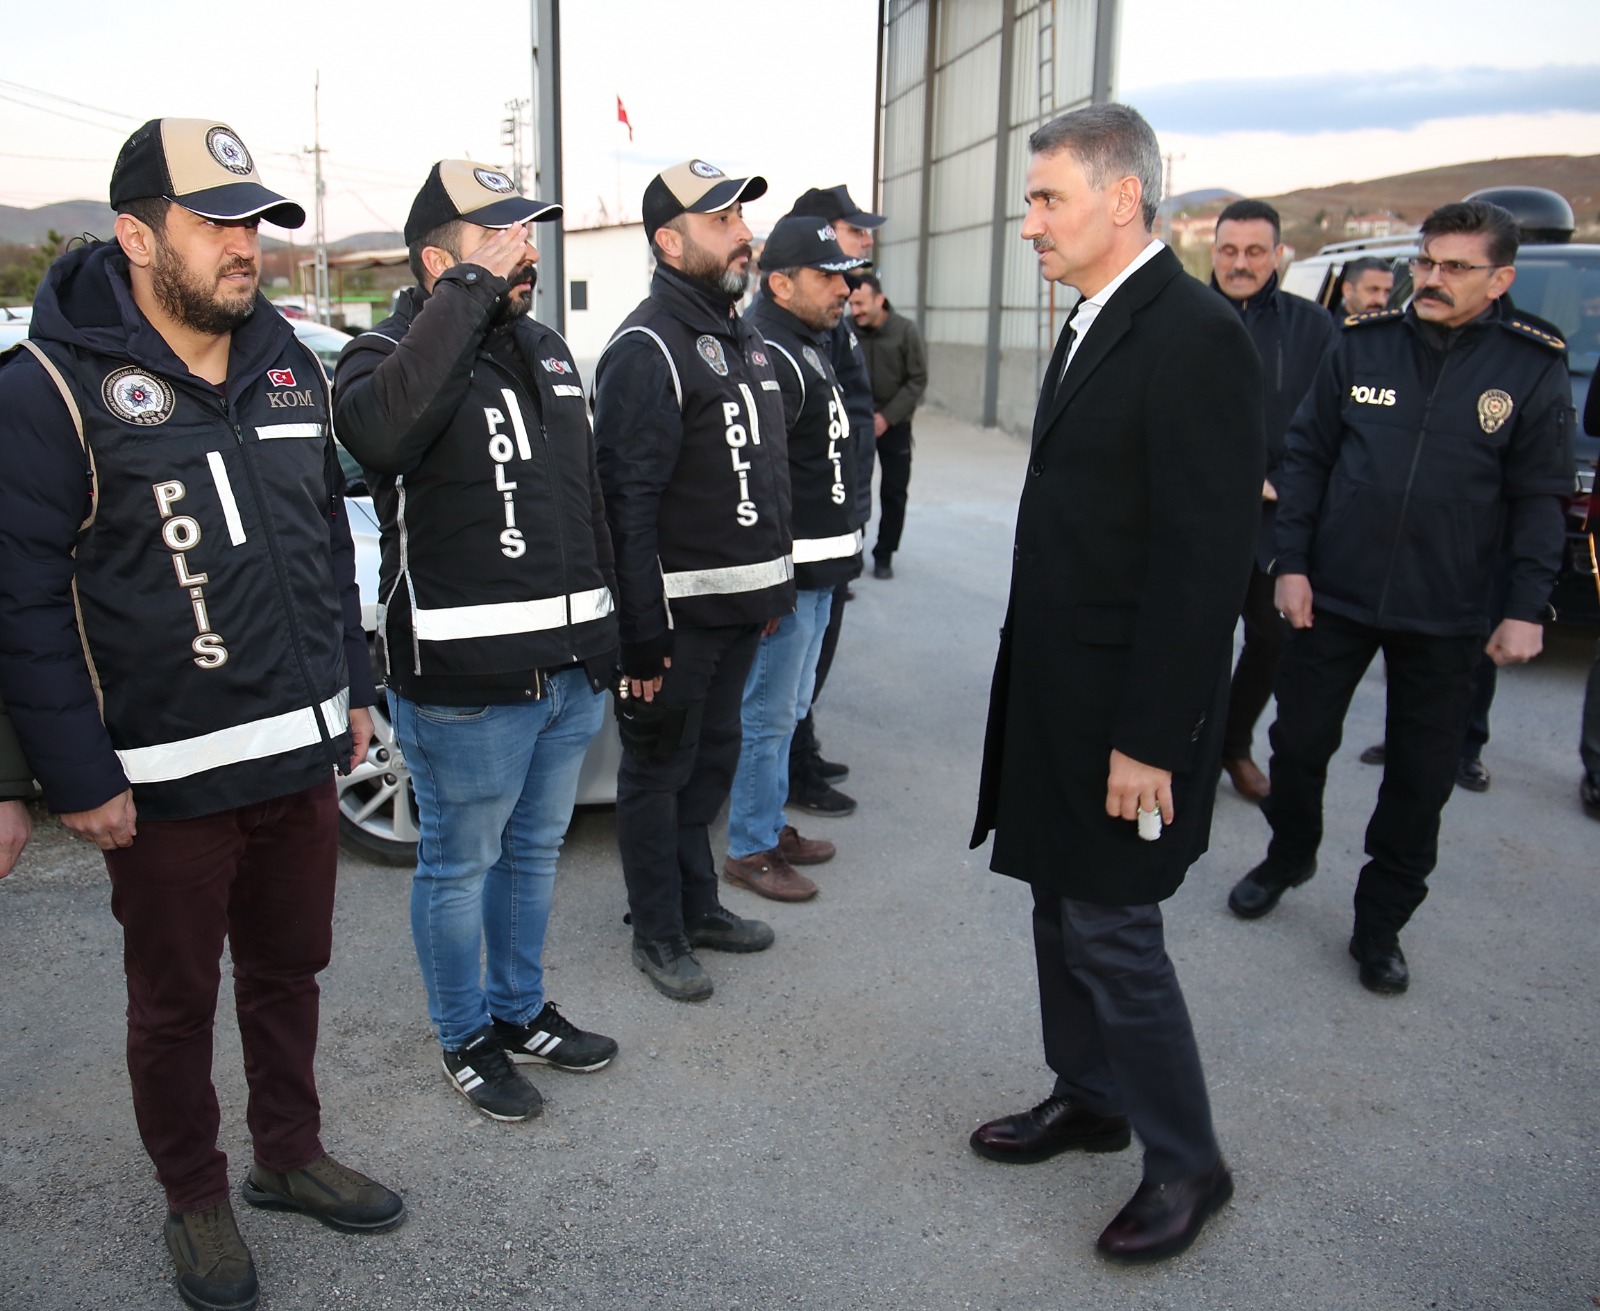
1564 289
1308 280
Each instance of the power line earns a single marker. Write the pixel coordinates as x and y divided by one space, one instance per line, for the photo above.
56 113
66 100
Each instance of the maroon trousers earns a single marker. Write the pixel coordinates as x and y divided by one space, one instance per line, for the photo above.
261 877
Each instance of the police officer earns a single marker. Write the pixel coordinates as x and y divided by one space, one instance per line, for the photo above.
181 653
803 299
1458 396
812 778
689 429
497 615
1365 285
16 784
1290 335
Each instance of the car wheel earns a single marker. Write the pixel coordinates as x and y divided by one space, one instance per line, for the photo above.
377 810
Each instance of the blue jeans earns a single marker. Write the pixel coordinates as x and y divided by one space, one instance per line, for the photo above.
495 787
777 696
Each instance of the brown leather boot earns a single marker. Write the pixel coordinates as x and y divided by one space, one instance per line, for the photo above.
1248 780
770 875
804 851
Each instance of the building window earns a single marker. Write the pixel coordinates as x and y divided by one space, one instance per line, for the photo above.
580 295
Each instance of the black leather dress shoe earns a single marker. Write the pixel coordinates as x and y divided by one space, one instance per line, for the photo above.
1471 774
1161 1220
1055 1125
1383 966
1258 891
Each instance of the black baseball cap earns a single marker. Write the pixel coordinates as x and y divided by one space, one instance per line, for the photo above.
694 187
803 241
200 164
460 189
834 204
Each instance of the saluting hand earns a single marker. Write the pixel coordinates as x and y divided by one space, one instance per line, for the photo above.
504 252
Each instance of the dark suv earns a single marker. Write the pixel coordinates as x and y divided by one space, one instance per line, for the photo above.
1557 281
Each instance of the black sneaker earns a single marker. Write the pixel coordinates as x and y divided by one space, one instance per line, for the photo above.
821 798
1471 775
722 930
831 770
670 965
549 1038
215 1272
340 1197
882 569
483 1074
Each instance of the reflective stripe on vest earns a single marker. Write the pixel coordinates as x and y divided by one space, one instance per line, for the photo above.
498 619
255 740
809 550
730 580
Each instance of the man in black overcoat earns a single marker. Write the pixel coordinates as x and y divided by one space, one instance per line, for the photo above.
1134 543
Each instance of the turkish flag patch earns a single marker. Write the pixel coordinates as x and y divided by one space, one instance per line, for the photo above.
281 377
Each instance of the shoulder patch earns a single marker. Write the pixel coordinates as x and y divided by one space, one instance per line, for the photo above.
1372 316
1538 334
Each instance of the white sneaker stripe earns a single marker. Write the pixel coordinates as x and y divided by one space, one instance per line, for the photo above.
544 1043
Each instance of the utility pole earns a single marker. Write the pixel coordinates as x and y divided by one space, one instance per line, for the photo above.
1166 199
511 135
319 295
550 296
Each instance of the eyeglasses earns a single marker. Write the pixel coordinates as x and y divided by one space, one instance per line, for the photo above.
1450 269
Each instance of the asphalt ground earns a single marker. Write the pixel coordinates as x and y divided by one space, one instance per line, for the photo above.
800 1139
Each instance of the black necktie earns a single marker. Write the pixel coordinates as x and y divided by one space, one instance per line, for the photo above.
1069 335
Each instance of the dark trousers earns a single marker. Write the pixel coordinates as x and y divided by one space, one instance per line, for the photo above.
803 746
261 877
1266 633
1117 1031
894 459
1589 743
1431 682
665 808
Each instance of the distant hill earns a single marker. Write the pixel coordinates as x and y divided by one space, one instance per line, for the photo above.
29 227
1412 195
1187 200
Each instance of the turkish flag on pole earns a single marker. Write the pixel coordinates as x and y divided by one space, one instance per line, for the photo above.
622 117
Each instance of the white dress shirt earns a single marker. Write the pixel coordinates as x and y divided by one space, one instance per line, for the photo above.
1088 309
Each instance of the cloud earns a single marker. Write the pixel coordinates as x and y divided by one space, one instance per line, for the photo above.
1334 102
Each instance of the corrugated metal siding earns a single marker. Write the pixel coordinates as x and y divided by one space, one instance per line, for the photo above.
949 251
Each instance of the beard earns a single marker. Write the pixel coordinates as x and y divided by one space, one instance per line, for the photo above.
819 316
717 276
193 299
518 303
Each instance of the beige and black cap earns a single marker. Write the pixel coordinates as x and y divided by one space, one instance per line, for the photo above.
694 187
202 165
460 189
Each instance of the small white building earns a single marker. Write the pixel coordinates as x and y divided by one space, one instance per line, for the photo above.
608 273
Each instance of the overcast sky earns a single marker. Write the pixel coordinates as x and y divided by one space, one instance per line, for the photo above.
1256 96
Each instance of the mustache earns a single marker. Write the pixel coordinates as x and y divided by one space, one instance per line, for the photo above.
1444 298
240 265
742 252
1042 244
528 273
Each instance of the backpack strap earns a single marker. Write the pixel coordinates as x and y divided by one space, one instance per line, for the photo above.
71 402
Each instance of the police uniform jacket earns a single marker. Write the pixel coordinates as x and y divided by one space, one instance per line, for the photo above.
475 435
822 451
689 429
1291 334
849 360
1418 456
178 606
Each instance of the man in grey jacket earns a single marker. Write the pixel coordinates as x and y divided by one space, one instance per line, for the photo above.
897 359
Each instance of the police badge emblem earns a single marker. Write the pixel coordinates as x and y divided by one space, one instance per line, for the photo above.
701 169
711 352
490 180
1494 408
229 151
135 397
814 360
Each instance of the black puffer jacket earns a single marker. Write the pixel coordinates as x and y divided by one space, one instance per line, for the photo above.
1418 455
178 607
